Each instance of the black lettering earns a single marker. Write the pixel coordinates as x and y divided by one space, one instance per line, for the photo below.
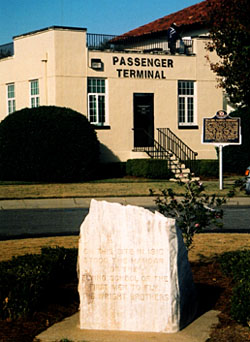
157 62
130 61
170 63
115 60
163 75
157 74
143 62
119 72
126 73
122 61
137 61
164 63
150 62
150 74
139 73
132 73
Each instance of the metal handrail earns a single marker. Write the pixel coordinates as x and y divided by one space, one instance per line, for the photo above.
156 151
171 142
136 44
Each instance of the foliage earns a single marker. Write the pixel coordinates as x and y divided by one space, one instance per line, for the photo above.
236 265
112 170
205 167
148 168
27 281
47 144
193 213
230 32
236 158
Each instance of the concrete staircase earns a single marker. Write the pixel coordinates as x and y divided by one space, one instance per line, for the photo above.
181 172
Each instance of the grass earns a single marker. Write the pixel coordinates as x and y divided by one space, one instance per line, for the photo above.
105 188
205 247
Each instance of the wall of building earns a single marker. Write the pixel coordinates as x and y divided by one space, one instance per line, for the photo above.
56 58
59 59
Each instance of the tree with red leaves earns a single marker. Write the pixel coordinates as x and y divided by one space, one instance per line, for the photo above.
229 24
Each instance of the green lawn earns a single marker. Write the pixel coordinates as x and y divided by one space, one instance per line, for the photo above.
105 188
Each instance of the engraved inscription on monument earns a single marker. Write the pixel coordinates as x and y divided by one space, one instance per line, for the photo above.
128 274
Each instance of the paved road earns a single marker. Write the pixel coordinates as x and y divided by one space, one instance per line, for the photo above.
67 221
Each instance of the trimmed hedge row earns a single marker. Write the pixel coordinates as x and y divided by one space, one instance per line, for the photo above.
27 281
236 265
205 167
148 168
155 169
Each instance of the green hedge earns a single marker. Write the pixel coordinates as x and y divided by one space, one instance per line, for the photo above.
148 168
47 143
27 281
205 167
236 265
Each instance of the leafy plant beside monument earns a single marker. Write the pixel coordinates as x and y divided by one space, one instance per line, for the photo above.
193 212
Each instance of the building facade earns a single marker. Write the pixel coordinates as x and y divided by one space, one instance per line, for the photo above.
138 96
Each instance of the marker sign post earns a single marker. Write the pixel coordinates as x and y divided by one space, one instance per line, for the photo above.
221 130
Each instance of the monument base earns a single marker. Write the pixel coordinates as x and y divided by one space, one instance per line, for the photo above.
198 331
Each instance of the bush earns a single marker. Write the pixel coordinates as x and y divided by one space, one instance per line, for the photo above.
148 168
205 167
236 158
193 213
236 265
27 281
47 144
112 170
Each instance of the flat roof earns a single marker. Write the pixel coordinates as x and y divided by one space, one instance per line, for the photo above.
69 28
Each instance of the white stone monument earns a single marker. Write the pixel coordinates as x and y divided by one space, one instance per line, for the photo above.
134 274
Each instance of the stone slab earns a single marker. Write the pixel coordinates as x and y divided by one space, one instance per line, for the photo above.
134 273
197 331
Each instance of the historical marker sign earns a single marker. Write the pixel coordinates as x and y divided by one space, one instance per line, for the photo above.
221 129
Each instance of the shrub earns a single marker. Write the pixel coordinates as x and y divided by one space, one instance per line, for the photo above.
148 168
205 167
26 281
236 158
112 170
236 265
47 144
195 212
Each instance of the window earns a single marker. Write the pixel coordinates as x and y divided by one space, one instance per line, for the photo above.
11 102
96 101
34 94
186 114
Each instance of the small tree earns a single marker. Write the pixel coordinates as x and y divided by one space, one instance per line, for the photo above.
47 144
193 213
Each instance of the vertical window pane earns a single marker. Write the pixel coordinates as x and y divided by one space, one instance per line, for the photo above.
101 105
190 109
34 94
186 102
11 102
92 108
96 100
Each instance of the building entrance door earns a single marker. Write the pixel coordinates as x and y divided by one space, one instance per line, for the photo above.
143 119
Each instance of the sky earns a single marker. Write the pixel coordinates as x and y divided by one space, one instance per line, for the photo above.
97 16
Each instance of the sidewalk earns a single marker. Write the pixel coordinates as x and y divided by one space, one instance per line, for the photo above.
49 203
